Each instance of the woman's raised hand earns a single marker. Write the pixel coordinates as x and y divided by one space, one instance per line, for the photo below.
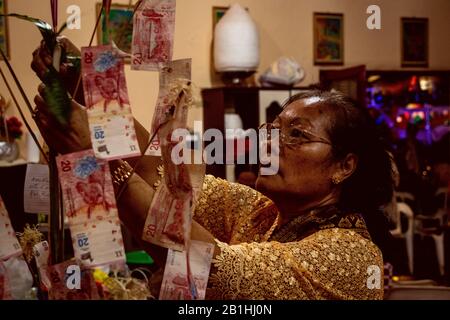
63 139
42 60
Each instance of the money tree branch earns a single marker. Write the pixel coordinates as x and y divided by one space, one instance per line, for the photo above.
33 136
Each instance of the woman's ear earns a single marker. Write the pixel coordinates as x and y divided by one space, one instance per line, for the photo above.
346 168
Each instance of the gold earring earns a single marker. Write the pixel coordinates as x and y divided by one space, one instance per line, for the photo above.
336 180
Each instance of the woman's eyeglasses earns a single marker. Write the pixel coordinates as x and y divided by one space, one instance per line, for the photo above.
292 135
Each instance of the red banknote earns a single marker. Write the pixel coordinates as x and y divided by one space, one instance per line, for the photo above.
64 277
171 74
90 206
110 119
9 246
175 284
153 31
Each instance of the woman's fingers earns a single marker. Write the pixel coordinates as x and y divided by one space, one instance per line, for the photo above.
41 105
41 89
39 66
41 61
68 46
56 138
42 112
64 139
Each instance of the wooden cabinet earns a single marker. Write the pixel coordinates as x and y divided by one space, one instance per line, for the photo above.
350 81
254 106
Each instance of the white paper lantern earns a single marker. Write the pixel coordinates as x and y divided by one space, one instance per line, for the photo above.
236 42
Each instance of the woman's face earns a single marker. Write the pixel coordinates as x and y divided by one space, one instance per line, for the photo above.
305 169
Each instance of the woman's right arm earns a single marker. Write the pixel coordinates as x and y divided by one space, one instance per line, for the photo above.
76 137
133 208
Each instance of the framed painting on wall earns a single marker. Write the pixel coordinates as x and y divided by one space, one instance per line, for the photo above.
121 26
328 31
218 13
414 42
4 40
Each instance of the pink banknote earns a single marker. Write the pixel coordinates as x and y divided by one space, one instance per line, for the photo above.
153 31
170 73
106 95
168 220
90 206
175 284
63 277
5 289
9 246
41 252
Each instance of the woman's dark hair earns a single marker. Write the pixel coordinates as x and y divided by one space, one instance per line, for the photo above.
352 130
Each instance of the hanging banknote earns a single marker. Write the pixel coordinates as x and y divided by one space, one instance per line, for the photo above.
172 75
108 107
153 31
91 209
175 283
41 252
167 220
66 286
9 246
5 289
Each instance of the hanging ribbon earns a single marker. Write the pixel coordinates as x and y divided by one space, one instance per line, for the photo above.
107 6
54 8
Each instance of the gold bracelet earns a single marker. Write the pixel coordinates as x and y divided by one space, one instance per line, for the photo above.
121 174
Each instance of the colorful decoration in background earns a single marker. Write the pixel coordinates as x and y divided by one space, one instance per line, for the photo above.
121 26
4 43
414 42
416 99
328 38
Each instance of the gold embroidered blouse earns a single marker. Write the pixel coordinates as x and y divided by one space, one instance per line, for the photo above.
324 256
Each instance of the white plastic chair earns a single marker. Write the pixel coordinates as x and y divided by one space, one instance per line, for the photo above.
408 235
441 216
405 197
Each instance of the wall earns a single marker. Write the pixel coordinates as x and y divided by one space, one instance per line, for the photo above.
285 29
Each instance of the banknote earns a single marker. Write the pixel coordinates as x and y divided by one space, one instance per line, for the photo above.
61 275
170 73
41 252
9 245
91 209
175 284
5 289
176 176
168 220
108 107
153 32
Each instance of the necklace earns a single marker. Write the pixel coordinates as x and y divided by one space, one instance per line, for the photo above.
320 218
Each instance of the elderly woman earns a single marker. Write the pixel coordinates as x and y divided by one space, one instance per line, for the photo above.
310 232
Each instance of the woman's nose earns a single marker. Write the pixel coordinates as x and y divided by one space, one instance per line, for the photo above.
269 144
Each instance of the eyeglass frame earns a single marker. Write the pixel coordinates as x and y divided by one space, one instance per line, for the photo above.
283 138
